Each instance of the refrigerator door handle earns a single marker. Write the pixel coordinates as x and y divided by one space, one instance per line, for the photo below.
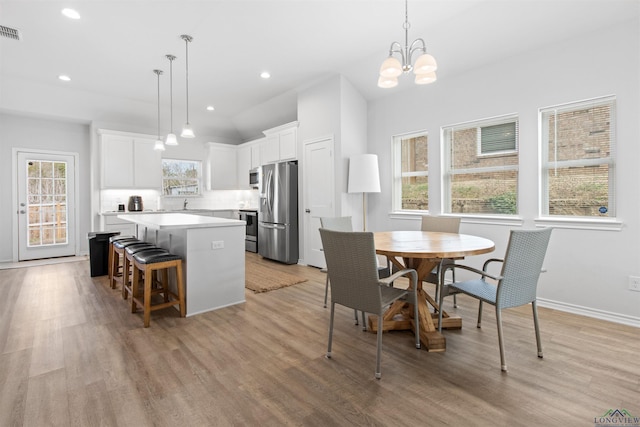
273 226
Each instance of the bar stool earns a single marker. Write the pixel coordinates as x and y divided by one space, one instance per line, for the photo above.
129 251
117 249
111 253
147 262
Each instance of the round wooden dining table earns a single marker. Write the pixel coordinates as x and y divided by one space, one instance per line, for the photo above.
423 251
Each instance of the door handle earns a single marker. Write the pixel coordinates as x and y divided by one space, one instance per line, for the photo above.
22 211
307 210
23 204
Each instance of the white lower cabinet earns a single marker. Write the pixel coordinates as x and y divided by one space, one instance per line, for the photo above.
113 223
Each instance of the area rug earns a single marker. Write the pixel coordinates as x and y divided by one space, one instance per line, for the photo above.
261 278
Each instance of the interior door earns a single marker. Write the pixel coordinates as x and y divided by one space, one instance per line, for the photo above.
319 196
46 205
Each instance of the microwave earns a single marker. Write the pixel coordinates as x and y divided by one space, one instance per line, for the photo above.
254 178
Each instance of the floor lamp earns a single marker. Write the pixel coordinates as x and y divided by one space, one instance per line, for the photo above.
364 178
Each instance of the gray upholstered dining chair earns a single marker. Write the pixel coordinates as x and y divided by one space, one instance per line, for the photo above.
353 272
516 284
442 224
344 223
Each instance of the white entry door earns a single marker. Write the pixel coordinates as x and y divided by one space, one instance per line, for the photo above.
319 196
46 205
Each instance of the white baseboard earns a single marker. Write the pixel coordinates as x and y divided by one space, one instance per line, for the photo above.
590 312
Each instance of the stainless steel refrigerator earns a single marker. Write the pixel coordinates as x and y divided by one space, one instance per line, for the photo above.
278 218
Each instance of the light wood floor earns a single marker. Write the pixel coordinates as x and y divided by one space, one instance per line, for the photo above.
72 354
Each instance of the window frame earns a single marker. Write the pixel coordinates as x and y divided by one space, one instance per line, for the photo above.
544 165
397 174
446 161
199 177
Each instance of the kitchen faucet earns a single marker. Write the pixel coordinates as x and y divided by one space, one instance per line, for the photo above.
184 206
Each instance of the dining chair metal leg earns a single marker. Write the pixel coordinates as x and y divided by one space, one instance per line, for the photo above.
326 290
364 324
333 309
537 328
479 325
503 362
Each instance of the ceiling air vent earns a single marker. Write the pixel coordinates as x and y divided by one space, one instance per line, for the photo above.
10 33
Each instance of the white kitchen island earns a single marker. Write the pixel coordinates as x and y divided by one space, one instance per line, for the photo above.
212 251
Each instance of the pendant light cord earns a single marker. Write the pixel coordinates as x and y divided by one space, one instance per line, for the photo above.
171 58
186 43
158 72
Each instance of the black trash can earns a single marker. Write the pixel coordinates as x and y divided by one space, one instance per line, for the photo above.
99 251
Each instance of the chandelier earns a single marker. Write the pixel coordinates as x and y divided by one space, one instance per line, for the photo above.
424 67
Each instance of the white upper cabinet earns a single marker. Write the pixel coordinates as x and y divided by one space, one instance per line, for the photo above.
243 166
281 143
129 161
223 167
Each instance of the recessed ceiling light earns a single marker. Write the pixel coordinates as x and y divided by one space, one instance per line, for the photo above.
71 13
64 78
210 108
265 75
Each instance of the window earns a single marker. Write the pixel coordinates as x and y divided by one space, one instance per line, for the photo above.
480 168
181 177
577 165
411 172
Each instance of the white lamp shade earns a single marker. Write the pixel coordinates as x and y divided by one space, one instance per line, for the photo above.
425 79
187 131
391 67
425 64
363 174
171 139
387 82
159 145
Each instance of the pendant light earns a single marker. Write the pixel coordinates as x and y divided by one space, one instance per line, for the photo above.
424 68
187 131
159 144
171 137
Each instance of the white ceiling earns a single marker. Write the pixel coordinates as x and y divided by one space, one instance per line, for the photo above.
111 51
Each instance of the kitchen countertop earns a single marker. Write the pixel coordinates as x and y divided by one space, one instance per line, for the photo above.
168 220
187 211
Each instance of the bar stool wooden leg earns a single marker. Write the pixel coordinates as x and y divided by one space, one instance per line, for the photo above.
148 279
180 284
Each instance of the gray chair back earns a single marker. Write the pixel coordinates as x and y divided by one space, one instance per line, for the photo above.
338 223
522 266
442 224
353 269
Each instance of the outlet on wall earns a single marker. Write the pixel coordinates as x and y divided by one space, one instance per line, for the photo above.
217 244
634 283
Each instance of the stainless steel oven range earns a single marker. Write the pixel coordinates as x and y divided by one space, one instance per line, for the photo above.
251 236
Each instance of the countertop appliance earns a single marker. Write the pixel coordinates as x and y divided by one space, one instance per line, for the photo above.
250 216
278 215
135 204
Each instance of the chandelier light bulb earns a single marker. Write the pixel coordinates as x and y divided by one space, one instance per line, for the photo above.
425 64
425 79
391 67
387 82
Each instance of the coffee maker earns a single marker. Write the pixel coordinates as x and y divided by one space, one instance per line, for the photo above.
135 204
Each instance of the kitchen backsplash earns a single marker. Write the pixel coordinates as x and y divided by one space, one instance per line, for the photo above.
152 200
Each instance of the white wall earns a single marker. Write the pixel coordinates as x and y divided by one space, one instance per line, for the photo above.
41 134
587 269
